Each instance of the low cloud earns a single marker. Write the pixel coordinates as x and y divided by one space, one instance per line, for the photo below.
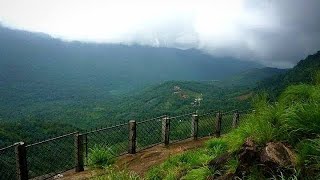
272 32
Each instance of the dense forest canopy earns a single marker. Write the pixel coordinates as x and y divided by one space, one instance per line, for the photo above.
46 82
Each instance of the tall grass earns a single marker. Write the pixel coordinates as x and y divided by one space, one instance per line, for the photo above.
100 156
112 174
294 119
178 166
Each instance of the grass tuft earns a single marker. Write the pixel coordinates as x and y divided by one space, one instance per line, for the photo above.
100 156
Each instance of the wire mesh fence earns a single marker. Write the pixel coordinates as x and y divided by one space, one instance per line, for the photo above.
149 132
206 124
50 157
180 127
245 114
226 122
113 140
7 163
53 156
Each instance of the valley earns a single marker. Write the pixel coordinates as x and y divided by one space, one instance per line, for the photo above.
46 83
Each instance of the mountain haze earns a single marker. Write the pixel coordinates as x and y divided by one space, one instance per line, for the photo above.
32 57
46 82
304 72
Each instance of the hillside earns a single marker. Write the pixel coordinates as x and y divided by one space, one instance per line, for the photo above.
177 97
253 76
279 140
304 72
37 71
31 131
80 85
171 98
39 59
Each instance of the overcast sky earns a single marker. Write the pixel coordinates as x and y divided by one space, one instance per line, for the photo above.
275 32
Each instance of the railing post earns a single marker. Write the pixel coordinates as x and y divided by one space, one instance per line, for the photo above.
132 137
194 126
21 161
166 130
236 117
79 152
218 124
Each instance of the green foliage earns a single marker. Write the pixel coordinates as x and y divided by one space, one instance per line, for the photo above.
232 165
151 102
100 156
317 78
30 131
112 174
176 166
91 84
262 126
216 146
255 174
253 76
197 174
300 94
306 72
309 152
302 121
295 119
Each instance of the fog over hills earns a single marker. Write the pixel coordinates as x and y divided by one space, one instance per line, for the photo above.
36 59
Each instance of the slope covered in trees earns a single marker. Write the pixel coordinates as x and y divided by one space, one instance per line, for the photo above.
279 140
85 85
304 72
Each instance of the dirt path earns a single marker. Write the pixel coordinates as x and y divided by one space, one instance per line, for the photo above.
142 160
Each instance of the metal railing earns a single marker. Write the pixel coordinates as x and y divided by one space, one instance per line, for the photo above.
45 159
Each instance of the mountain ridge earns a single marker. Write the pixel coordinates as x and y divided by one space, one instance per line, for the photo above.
304 72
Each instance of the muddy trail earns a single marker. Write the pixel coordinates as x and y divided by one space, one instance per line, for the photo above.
142 161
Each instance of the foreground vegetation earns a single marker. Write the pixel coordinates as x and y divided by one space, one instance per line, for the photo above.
293 120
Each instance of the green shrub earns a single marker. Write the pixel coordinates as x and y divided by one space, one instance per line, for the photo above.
295 118
216 146
177 166
100 156
261 127
297 94
197 174
309 152
155 173
232 165
195 158
302 121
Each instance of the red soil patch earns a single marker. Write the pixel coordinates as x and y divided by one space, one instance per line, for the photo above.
142 161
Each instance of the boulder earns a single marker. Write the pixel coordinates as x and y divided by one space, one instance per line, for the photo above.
279 154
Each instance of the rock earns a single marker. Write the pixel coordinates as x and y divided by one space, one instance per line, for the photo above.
248 154
218 162
279 154
267 159
58 176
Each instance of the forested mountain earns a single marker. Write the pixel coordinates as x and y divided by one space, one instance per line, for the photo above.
47 83
38 60
304 72
253 76
37 71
